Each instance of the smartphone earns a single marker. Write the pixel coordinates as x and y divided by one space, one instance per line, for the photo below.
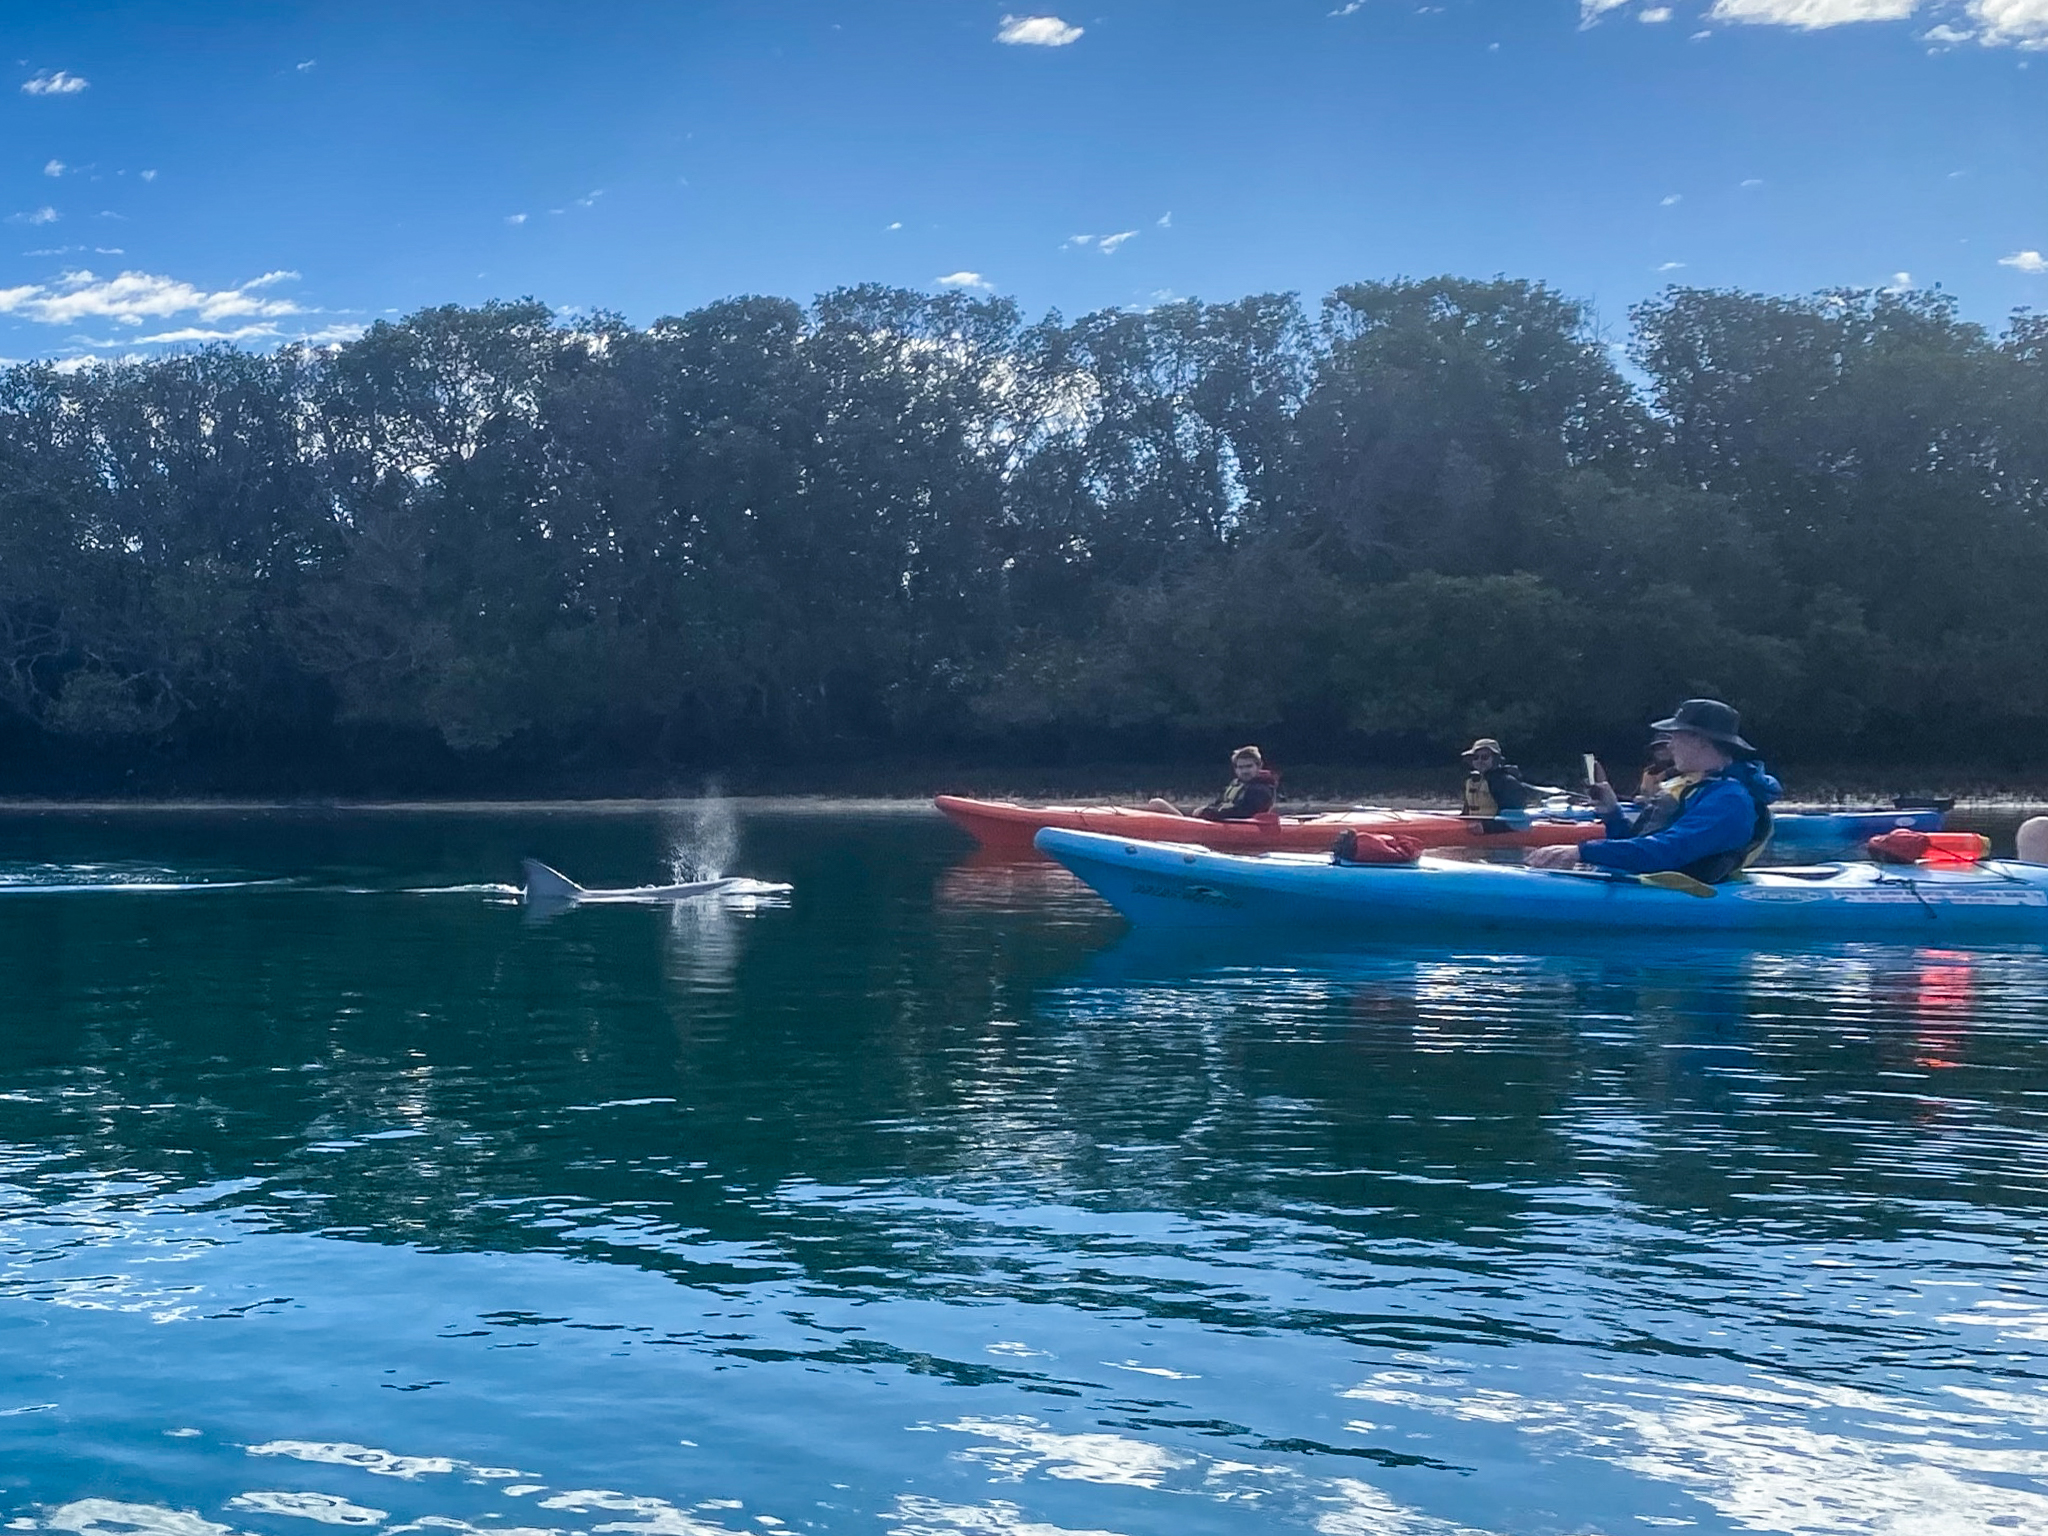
1592 766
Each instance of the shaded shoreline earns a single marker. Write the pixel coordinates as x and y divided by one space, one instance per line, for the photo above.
825 804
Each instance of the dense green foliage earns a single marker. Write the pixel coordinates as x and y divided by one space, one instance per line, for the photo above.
480 545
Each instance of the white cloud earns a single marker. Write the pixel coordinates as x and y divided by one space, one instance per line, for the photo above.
42 215
59 83
1751 183
1107 244
53 168
950 280
2025 261
1672 200
148 175
2012 23
1037 32
305 64
589 199
1166 220
515 218
1901 281
893 227
1671 266
1654 14
1349 8
133 297
261 331
1811 15
1590 11
1946 36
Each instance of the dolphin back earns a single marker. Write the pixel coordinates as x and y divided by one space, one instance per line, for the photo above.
544 884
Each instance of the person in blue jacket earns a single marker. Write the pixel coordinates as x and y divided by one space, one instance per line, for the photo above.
1713 817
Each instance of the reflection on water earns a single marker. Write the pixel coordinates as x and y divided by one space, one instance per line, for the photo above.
928 1200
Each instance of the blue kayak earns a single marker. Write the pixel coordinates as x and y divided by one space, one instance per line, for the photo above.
1182 886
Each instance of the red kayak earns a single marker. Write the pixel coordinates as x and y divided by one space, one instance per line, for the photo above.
1007 825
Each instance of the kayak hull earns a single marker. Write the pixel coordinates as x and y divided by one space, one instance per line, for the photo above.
1004 824
1181 886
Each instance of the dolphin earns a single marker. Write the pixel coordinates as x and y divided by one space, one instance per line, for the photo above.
551 887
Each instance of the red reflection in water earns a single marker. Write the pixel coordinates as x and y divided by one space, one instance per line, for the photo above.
1944 1000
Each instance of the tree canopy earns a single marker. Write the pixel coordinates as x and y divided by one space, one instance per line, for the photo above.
481 546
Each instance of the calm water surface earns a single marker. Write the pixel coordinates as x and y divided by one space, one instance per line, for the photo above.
926 1200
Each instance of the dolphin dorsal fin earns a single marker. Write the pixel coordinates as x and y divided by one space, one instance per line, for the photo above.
544 884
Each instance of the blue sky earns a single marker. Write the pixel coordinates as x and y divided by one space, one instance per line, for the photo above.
269 169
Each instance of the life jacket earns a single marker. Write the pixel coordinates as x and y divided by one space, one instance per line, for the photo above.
1670 801
1480 797
1232 797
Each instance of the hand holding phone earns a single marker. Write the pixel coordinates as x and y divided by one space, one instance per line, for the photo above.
1598 789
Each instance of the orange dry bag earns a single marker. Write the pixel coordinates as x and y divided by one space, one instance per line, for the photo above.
1905 846
1354 847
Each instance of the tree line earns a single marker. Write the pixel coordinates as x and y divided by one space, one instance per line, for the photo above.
489 546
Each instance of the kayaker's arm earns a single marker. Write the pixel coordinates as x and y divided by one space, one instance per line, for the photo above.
1718 817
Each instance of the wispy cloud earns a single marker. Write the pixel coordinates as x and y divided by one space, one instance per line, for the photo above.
1107 244
1166 220
1348 8
133 298
1751 183
147 175
1672 200
54 83
54 168
42 215
1671 266
1037 32
305 64
963 280
894 227
2025 261
1991 23
261 331
515 218
1811 15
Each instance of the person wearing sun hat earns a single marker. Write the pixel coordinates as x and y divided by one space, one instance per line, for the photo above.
1716 817
1492 783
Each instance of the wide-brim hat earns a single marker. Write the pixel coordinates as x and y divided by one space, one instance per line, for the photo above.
1709 718
1483 744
